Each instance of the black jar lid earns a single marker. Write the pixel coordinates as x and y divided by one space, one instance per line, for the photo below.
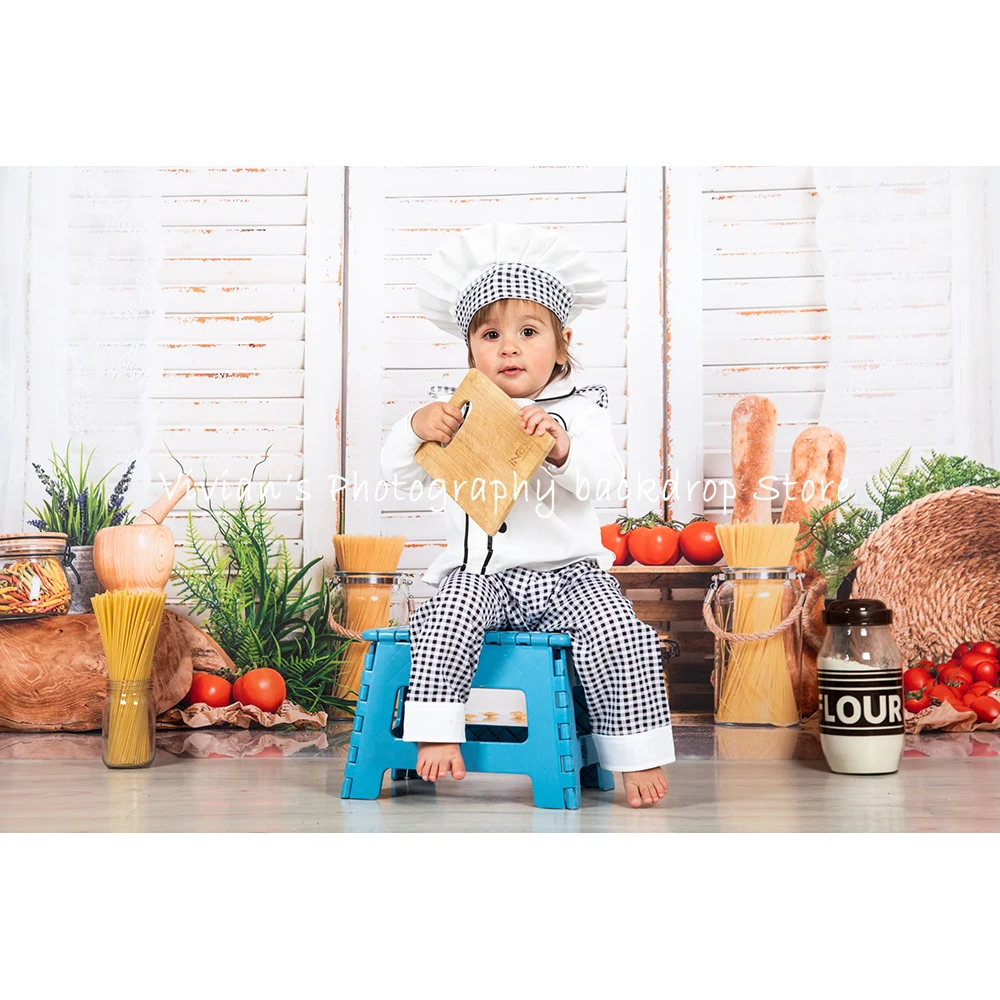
859 611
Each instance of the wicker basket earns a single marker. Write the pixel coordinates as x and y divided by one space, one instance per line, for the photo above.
937 565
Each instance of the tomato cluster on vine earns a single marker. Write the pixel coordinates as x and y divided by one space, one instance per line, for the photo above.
653 541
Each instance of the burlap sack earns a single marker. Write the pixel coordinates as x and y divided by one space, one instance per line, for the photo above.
243 716
946 718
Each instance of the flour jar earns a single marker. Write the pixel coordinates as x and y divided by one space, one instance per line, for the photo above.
860 675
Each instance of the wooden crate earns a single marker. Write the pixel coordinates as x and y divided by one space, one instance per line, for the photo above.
670 599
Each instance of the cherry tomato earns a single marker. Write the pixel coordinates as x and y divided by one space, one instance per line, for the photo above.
987 672
655 546
981 687
917 701
916 679
972 660
209 689
989 648
969 697
929 665
958 677
940 693
960 651
613 539
262 687
987 709
700 543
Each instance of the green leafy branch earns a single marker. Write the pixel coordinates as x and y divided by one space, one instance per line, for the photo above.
839 528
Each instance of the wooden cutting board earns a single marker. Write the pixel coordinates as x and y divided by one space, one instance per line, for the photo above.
491 446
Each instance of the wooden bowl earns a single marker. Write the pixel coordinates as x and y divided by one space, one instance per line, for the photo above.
134 556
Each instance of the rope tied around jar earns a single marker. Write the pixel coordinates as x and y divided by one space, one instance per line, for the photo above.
803 607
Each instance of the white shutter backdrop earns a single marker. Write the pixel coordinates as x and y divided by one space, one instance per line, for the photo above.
82 310
766 329
250 352
398 217
905 252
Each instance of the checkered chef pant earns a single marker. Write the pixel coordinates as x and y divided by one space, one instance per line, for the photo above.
617 657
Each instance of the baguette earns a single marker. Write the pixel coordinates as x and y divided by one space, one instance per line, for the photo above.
755 421
817 469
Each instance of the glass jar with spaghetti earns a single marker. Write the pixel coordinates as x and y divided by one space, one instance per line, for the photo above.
362 601
32 580
756 619
128 724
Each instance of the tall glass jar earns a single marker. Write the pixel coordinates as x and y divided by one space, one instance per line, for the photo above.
363 601
33 582
758 681
860 677
128 724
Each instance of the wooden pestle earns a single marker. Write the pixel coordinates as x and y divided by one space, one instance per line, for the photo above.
140 556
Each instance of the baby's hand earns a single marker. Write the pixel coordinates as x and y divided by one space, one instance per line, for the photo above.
436 422
536 421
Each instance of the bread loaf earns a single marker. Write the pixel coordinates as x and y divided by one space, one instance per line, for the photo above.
817 469
754 423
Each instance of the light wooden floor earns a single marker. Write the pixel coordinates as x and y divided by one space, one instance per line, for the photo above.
57 783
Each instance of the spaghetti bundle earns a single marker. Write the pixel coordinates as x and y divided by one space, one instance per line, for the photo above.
367 605
756 684
130 623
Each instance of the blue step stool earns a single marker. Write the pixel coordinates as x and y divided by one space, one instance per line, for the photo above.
556 749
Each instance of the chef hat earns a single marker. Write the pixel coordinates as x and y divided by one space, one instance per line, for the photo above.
505 261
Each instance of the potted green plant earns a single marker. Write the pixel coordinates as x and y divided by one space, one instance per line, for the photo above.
80 508
262 610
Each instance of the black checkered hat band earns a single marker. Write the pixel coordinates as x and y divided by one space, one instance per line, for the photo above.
513 280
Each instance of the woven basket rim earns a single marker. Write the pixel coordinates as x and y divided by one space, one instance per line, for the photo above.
912 509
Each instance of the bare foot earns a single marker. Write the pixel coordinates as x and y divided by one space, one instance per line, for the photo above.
644 787
435 760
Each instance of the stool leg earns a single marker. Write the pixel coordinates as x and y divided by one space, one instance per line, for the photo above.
402 774
555 782
592 775
373 748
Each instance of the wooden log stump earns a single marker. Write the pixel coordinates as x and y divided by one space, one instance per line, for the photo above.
53 673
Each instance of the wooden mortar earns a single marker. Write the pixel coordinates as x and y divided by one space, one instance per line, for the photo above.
140 556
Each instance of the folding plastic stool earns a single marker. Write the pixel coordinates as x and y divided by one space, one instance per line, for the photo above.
556 751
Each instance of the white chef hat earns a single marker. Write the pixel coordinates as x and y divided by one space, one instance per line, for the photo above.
501 260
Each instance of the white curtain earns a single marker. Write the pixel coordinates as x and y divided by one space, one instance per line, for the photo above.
81 311
906 262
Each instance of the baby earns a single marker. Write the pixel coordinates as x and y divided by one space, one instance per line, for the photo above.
546 569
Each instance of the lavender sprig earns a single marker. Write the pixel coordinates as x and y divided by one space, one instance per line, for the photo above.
50 486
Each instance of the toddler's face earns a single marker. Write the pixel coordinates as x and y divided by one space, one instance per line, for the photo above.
518 348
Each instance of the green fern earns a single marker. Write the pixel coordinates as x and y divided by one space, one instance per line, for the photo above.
261 608
890 490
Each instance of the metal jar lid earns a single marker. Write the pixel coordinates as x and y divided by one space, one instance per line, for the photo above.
859 611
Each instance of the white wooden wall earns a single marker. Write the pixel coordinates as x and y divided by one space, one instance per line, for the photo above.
715 281
399 216
251 348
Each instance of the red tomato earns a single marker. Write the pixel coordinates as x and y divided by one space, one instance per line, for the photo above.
940 693
916 679
700 543
969 697
208 689
958 677
929 665
972 660
262 687
655 546
982 687
917 701
988 648
960 651
986 671
987 709
613 539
